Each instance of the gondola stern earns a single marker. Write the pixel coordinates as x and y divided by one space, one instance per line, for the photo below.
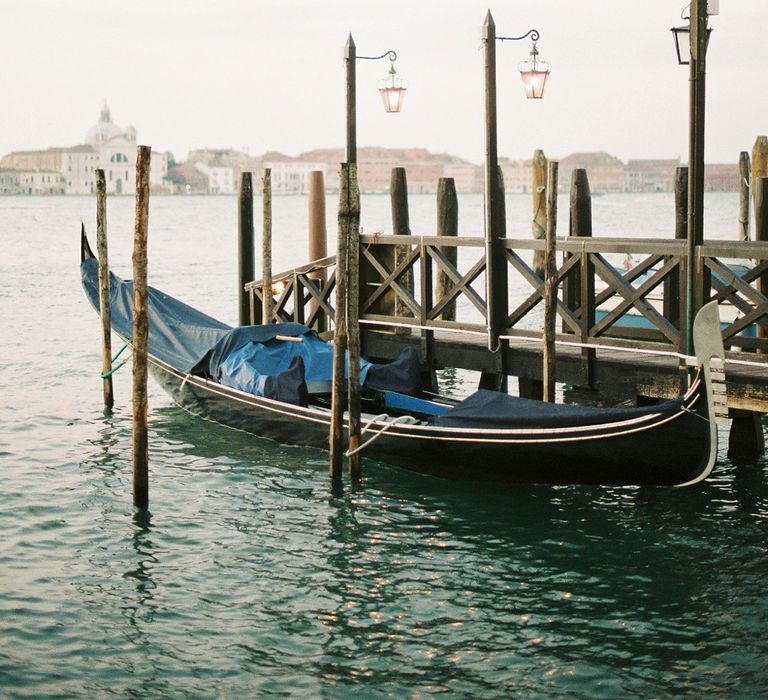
710 355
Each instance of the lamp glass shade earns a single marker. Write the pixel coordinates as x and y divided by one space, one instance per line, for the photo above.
682 37
392 97
534 82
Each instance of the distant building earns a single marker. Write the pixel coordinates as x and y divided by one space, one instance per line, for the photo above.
604 172
722 177
106 146
220 178
651 175
117 155
9 181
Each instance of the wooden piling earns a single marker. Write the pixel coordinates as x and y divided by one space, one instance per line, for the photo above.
550 286
104 293
673 294
398 188
447 225
266 246
760 191
759 165
539 221
580 225
744 179
353 324
318 238
140 332
497 301
245 249
335 438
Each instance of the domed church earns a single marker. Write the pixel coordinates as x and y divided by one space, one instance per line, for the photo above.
117 155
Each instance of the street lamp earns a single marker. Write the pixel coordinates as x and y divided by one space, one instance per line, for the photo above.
534 74
697 33
391 89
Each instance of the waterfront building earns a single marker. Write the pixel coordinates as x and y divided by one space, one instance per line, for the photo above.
605 172
9 181
117 156
651 175
219 178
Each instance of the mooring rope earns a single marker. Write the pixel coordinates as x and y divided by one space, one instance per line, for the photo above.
105 375
381 416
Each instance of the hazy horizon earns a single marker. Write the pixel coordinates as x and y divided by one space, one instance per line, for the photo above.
268 76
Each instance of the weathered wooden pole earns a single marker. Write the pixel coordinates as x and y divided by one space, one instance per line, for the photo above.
266 246
697 100
539 220
760 189
582 296
398 186
550 286
744 180
672 292
447 225
104 293
335 439
353 323
496 265
759 164
245 248
318 238
140 332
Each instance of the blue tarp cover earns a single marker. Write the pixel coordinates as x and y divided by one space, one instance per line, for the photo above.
249 358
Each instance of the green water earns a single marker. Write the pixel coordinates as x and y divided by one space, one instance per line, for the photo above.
252 575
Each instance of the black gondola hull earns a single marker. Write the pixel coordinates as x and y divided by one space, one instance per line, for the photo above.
665 451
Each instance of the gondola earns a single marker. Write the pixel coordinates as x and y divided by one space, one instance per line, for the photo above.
217 372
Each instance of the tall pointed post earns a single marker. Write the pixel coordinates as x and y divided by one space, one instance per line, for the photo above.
496 267
350 57
697 101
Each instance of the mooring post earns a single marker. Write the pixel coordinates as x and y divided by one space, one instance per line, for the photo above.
353 323
744 179
759 165
318 240
746 440
266 247
140 332
531 387
245 249
447 225
497 302
673 293
583 295
105 306
401 227
340 326
539 220
550 286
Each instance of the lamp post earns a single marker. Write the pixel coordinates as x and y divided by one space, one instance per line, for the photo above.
697 33
391 89
534 74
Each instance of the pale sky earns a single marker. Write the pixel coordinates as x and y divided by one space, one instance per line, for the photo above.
268 75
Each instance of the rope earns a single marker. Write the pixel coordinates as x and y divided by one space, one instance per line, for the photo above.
106 375
381 416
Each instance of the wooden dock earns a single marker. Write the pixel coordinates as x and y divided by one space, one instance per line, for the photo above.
621 333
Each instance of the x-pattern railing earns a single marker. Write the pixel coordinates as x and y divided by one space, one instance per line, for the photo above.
652 290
